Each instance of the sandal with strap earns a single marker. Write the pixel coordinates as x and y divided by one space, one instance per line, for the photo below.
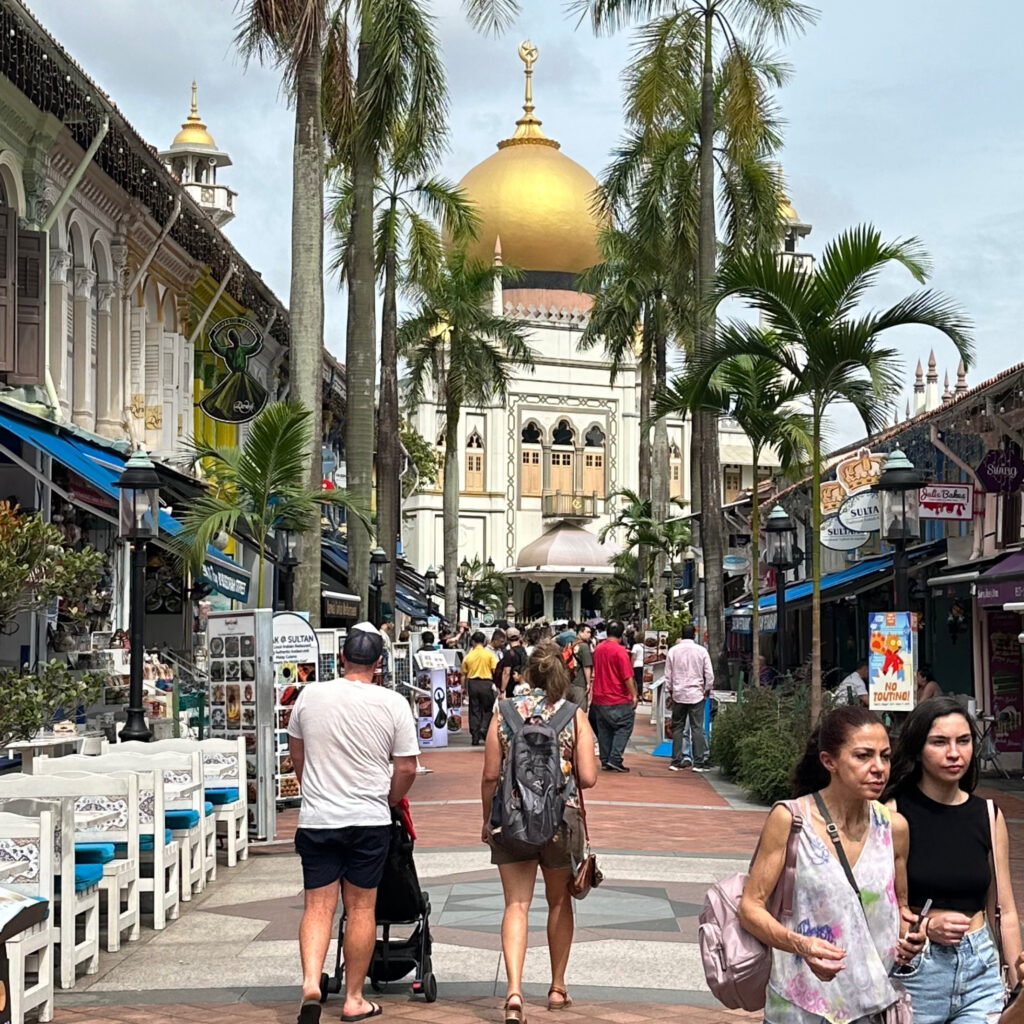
514 1014
564 1003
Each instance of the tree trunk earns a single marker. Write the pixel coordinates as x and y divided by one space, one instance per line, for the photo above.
450 511
705 424
815 542
306 300
755 576
659 461
646 386
361 339
388 450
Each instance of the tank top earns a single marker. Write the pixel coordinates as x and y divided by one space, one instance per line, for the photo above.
949 851
825 905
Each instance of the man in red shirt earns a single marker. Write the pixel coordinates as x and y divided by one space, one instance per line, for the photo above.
614 698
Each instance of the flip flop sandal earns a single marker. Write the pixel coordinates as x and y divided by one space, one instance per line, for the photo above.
566 999
375 1011
309 1013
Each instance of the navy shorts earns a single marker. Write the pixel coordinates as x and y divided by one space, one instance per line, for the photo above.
355 854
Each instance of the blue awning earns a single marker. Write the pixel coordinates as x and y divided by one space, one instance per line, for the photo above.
336 558
221 571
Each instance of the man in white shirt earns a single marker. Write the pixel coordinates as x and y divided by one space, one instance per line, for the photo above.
344 736
854 687
689 679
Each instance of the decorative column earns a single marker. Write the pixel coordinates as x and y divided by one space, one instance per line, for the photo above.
545 467
577 600
107 363
83 401
577 470
548 589
60 263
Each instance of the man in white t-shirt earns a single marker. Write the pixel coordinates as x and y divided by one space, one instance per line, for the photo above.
854 687
345 736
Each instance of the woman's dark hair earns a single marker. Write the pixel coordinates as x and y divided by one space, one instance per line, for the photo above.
906 760
810 774
546 670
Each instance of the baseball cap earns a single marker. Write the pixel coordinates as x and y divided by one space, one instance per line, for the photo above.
364 644
566 638
512 633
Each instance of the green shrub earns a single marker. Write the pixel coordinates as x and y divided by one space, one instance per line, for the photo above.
736 721
767 757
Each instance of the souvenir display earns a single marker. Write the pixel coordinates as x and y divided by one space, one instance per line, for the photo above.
296 657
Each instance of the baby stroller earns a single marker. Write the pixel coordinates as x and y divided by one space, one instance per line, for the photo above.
400 901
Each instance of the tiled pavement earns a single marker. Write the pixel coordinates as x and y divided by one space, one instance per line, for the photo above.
661 837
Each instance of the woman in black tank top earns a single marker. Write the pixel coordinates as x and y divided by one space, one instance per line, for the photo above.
934 773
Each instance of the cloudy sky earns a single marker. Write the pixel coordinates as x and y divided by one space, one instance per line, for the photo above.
902 112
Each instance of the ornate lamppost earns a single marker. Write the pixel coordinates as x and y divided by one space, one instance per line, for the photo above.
898 487
378 560
288 562
782 554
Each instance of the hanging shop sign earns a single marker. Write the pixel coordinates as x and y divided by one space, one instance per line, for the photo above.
837 537
736 563
239 397
767 622
861 512
231 582
949 502
1001 472
892 661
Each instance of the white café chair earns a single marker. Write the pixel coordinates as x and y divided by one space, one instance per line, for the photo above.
76 888
106 825
26 866
157 849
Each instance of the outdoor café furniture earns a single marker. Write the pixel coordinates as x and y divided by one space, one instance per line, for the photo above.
52 745
26 867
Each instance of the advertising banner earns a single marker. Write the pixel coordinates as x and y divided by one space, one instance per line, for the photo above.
892 662
296 662
442 707
1004 669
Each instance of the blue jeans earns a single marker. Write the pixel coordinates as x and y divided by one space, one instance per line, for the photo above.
959 983
614 727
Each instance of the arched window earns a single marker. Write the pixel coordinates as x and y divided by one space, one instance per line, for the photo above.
675 471
530 474
563 453
732 483
594 462
474 462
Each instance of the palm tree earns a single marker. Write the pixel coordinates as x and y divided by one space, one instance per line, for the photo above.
762 399
697 29
485 586
644 531
453 343
290 34
832 348
259 487
619 591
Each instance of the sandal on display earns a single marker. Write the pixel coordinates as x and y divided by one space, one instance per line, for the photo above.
564 1003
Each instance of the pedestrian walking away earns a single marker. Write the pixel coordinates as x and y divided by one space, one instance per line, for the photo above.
583 655
638 653
354 748
614 698
478 682
689 680
959 976
558 856
831 959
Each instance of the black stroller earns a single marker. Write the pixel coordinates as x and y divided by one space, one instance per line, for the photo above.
400 901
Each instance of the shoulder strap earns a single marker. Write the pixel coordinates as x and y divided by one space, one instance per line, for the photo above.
511 715
781 902
993 908
833 834
562 717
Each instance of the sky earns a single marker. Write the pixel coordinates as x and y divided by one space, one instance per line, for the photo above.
904 113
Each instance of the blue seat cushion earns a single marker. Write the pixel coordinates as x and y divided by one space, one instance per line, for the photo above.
145 843
181 819
94 853
86 875
219 797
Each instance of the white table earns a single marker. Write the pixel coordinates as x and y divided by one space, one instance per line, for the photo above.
49 745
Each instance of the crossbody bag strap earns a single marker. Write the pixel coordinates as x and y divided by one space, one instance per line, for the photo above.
833 834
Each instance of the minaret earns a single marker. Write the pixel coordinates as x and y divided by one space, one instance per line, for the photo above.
961 379
793 228
194 158
931 390
947 394
919 388
497 303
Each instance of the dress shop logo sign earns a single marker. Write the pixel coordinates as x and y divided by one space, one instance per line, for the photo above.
239 397
1001 472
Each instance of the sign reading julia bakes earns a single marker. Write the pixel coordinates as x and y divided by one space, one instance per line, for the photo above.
892 662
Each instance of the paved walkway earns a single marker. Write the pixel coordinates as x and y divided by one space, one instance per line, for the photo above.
662 837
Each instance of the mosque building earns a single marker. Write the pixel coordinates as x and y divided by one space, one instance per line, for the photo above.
538 473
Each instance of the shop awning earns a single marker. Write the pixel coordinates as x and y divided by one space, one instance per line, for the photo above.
1003 583
221 571
407 601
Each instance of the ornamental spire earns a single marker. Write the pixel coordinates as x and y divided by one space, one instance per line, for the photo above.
528 127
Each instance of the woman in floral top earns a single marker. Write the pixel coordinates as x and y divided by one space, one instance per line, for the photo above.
547 679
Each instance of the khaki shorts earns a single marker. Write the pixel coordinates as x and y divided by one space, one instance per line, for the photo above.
561 852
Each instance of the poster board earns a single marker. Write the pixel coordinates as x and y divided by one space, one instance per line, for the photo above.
330 663
296 653
1005 663
892 661
437 712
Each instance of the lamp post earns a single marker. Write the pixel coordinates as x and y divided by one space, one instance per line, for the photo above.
288 562
138 507
642 590
781 554
430 586
378 560
510 605
461 587
668 575
898 487
490 564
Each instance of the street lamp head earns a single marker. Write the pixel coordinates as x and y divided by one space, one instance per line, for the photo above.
490 564
898 473
642 589
464 567
378 559
899 484
430 576
139 503
780 538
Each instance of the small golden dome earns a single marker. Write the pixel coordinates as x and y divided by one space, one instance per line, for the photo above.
193 131
534 197
786 210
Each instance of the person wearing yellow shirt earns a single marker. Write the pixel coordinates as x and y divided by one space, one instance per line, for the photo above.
478 667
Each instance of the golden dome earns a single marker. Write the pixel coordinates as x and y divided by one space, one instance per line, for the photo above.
786 210
193 131
534 198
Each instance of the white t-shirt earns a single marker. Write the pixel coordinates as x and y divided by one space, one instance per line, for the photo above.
638 655
853 682
350 732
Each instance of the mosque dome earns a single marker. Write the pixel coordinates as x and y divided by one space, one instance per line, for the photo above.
533 200
193 131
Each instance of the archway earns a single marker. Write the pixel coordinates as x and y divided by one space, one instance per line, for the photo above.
562 605
533 601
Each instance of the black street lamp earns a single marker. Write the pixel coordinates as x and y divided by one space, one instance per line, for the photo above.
782 554
139 508
429 585
642 590
378 560
668 575
898 487
288 541
490 564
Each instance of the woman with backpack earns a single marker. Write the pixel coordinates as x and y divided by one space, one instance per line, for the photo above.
570 766
849 892
953 836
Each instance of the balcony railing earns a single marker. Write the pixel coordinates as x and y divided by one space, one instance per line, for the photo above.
570 505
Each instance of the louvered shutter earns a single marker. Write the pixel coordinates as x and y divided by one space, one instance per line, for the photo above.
30 347
8 286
